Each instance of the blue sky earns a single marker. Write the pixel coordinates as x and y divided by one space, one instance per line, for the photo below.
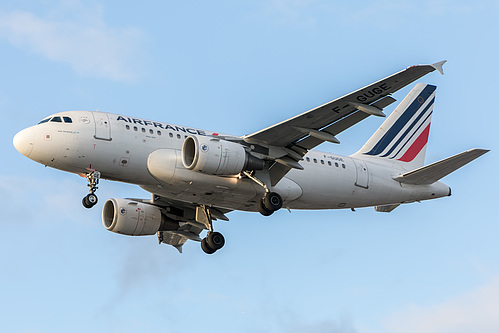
237 67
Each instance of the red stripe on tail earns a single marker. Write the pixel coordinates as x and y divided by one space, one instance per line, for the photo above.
416 147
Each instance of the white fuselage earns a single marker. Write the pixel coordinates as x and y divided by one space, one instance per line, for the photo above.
119 147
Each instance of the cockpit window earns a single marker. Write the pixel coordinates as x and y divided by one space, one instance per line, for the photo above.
67 120
56 120
44 121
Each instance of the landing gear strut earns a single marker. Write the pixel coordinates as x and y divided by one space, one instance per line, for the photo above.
90 199
214 241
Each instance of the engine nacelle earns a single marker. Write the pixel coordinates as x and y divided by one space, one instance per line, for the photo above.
217 157
131 218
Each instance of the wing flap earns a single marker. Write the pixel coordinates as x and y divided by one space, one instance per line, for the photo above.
386 208
435 171
174 239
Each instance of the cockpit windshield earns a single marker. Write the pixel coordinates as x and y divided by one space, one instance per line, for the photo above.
57 119
44 121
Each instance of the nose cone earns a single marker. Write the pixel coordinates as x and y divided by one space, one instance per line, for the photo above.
23 141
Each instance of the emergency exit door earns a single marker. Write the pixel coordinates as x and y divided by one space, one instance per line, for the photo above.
362 173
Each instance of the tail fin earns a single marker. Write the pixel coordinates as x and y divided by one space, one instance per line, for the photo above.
402 138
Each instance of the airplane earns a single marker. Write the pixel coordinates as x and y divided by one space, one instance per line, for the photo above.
198 176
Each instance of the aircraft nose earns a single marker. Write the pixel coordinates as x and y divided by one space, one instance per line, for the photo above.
23 141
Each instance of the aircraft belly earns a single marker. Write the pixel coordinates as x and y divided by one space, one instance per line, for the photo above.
230 193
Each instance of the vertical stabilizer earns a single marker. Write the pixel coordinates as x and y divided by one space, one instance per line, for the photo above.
402 138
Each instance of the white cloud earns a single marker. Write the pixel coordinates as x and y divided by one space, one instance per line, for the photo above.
78 36
344 325
291 12
383 13
474 311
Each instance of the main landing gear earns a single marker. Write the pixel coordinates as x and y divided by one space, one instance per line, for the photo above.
90 199
271 202
214 241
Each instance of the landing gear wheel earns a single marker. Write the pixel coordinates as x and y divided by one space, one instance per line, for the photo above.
215 240
206 248
272 201
89 201
85 203
263 210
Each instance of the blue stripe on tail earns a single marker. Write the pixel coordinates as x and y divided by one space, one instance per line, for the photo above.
390 135
403 136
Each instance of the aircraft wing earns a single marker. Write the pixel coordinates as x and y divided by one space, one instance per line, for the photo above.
309 129
184 224
341 113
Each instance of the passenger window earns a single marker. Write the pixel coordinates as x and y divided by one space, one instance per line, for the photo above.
44 121
135 128
179 136
56 120
308 159
143 130
315 160
171 135
322 161
343 165
159 132
127 127
67 120
151 131
329 163
336 164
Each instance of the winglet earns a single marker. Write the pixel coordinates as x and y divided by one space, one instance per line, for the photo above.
439 66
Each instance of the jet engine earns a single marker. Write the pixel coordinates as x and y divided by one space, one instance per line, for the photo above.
217 157
131 218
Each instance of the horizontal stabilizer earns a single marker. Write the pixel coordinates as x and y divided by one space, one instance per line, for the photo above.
435 171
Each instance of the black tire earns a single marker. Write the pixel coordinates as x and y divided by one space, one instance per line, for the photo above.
85 203
263 210
206 248
272 201
215 240
91 199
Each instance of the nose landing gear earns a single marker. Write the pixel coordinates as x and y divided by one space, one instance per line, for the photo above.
90 199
